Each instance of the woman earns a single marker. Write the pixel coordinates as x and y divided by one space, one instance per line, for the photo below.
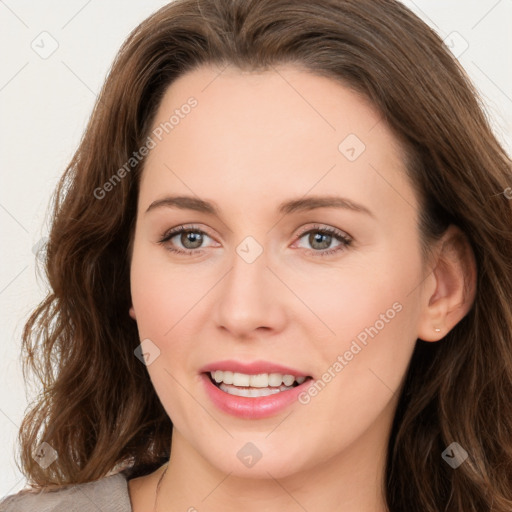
280 271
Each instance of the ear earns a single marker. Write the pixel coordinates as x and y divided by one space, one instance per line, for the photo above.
450 289
132 312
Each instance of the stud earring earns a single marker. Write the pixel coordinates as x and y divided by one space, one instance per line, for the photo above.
437 329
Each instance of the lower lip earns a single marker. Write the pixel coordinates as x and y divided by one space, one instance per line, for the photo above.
252 407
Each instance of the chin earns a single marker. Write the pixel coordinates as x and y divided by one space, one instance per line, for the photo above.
259 459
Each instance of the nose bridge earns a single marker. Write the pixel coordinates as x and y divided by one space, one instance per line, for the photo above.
248 298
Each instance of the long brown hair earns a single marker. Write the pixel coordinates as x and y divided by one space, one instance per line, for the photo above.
98 408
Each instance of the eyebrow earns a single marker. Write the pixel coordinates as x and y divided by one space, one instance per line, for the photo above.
287 207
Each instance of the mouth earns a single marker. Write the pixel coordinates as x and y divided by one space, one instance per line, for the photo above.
253 390
254 385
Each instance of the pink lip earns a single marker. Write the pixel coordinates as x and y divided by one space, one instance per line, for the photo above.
248 407
252 408
253 368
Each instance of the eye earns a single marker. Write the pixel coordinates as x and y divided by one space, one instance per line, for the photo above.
190 237
320 239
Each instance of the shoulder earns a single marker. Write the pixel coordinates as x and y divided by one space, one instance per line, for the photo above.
108 493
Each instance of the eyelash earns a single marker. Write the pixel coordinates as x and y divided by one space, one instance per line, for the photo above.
345 240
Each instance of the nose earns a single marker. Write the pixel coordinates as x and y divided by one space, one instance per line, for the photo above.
250 299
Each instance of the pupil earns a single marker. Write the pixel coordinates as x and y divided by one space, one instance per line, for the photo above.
190 236
313 238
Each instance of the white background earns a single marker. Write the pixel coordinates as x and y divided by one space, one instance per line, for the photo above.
45 104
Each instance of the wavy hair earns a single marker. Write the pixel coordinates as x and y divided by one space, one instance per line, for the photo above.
98 408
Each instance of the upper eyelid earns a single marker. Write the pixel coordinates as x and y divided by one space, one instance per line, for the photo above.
184 227
318 227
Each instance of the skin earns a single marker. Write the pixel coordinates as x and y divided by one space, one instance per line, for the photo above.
253 141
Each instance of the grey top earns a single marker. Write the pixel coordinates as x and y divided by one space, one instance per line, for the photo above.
108 494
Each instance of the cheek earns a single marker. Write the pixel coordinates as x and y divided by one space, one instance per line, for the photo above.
161 300
167 299
161 294
371 315
363 368
346 301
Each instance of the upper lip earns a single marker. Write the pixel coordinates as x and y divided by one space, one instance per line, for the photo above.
252 368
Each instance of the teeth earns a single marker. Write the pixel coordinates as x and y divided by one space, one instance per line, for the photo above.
251 392
288 380
275 379
241 379
258 381
261 380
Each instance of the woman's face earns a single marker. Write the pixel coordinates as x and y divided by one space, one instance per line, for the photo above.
301 257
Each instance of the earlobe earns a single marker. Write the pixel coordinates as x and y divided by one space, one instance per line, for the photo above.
132 313
453 286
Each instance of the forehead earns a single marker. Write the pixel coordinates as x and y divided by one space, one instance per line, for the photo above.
284 130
